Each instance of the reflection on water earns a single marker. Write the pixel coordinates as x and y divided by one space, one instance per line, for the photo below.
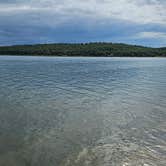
82 111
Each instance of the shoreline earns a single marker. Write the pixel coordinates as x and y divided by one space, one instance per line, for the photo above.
83 50
55 56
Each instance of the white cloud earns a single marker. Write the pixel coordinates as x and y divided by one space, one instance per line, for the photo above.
151 35
139 11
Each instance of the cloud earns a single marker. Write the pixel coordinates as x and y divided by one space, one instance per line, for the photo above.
35 21
139 11
151 35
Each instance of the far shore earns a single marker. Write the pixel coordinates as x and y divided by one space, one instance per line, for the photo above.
83 50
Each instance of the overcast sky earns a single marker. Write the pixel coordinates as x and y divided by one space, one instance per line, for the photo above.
141 22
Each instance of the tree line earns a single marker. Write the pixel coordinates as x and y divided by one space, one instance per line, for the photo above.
84 49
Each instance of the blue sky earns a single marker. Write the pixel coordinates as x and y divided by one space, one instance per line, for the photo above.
141 22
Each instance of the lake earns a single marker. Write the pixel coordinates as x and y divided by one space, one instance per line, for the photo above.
82 111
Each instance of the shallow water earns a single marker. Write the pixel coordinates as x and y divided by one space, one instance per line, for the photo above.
82 111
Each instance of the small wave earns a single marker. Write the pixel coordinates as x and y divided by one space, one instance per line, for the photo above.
129 154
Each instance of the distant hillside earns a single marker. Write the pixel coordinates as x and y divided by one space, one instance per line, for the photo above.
84 49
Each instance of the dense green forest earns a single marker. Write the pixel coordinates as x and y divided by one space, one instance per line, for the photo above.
84 49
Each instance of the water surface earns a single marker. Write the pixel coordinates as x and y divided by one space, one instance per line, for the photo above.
82 111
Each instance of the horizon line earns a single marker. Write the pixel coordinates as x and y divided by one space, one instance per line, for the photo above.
94 42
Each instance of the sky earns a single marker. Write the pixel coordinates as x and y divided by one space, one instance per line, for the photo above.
140 22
